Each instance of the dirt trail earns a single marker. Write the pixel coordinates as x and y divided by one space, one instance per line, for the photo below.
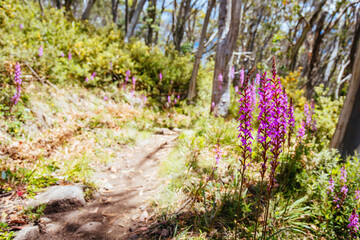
121 203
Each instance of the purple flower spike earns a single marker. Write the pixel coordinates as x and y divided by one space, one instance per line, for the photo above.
257 79
86 79
278 123
18 82
133 80
212 105
354 223
265 107
218 154
41 51
242 76
178 96
343 174
111 65
307 115
236 89
331 185
245 119
69 56
105 98
301 131
169 99
175 101
21 26
62 54
232 73
160 76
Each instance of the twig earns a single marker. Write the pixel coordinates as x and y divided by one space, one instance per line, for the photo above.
32 70
182 206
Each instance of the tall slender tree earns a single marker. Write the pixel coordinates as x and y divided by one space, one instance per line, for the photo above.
198 55
151 21
87 11
347 134
229 23
114 10
134 20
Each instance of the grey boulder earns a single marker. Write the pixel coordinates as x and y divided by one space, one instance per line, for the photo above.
28 233
59 199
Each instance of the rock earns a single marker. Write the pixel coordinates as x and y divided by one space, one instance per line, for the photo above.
90 227
177 130
107 186
133 228
133 237
144 216
28 233
45 220
165 233
53 228
134 217
59 199
164 131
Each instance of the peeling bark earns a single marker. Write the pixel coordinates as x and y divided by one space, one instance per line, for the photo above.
192 86
229 25
347 134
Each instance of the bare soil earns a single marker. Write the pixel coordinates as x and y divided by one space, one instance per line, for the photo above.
122 203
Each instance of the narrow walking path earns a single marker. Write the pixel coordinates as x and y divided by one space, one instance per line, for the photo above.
120 206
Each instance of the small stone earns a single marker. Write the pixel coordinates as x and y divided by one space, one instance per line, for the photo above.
53 228
107 186
133 237
113 169
91 227
155 231
133 228
134 217
45 220
165 233
59 199
144 216
28 233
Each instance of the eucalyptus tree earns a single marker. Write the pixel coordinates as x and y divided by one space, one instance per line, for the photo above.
134 18
228 31
347 134
199 53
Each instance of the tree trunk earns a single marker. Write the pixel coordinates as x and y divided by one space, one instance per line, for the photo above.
330 65
157 32
192 86
114 10
152 15
68 4
88 8
178 33
307 28
314 59
356 39
132 9
347 134
229 24
57 4
41 7
126 16
134 20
